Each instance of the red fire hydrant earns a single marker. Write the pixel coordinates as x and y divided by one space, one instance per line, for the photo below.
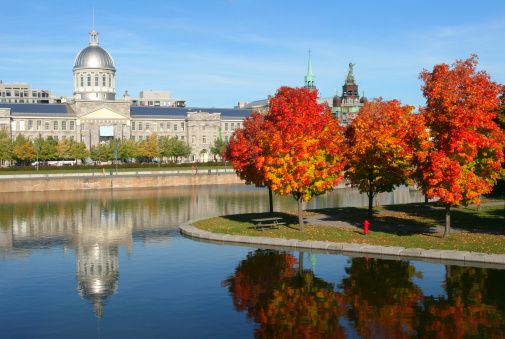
365 228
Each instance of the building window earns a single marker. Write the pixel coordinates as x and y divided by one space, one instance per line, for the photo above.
55 137
204 139
238 124
72 125
22 125
63 137
72 137
148 126
89 80
133 125
168 126
30 125
161 126
96 80
47 124
225 126
63 125
13 125
182 126
82 127
132 137
103 81
39 125
226 139
182 137
82 81
193 139
140 126
232 126
140 138
55 125
203 128
110 81
155 126
175 126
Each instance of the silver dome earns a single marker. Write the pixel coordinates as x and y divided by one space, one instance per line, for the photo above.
94 56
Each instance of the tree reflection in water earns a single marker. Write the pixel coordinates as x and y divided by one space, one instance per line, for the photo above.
376 299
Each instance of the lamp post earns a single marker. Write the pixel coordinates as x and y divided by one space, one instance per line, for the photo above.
37 149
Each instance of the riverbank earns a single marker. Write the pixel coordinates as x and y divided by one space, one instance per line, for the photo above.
402 237
111 180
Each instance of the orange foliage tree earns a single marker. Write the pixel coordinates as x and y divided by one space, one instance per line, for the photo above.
465 157
301 148
243 151
379 150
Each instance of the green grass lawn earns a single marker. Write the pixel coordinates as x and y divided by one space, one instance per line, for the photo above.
489 218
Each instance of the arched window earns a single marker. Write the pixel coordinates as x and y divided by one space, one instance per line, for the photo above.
96 81
89 80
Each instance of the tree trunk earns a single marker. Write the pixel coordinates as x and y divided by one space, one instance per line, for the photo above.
270 200
300 264
298 198
447 221
426 199
370 204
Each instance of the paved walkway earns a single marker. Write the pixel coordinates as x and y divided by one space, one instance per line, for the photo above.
338 220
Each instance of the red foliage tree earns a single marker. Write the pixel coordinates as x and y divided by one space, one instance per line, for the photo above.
379 150
301 146
466 152
243 151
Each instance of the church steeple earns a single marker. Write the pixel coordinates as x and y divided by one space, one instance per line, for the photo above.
310 79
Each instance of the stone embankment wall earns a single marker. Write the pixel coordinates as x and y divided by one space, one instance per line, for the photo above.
109 180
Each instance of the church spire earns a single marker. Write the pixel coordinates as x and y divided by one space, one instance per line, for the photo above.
310 78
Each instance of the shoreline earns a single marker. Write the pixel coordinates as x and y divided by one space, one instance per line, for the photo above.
444 257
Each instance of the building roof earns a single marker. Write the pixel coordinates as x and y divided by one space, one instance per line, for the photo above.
38 109
181 112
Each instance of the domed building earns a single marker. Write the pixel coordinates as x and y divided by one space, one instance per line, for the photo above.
94 72
94 115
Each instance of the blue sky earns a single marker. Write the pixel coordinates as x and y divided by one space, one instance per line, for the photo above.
215 53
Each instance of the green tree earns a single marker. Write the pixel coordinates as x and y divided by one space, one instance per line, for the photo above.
79 151
5 145
127 149
217 149
47 149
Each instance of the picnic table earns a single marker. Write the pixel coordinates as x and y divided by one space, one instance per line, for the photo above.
268 222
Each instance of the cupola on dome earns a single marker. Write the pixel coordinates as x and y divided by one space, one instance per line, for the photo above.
94 56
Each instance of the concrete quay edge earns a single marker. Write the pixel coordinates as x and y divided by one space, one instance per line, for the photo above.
351 249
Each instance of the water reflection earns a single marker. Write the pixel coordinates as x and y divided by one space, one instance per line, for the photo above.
376 299
96 225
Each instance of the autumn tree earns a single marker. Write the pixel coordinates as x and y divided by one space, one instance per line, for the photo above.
379 148
301 146
64 148
243 151
79 151
23 149
465 157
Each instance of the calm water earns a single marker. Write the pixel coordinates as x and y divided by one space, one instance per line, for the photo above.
113 264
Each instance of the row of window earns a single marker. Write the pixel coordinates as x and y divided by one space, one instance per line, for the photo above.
28 101
36 125
193 138
64 125
24 94
97 79
154 126
148 126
